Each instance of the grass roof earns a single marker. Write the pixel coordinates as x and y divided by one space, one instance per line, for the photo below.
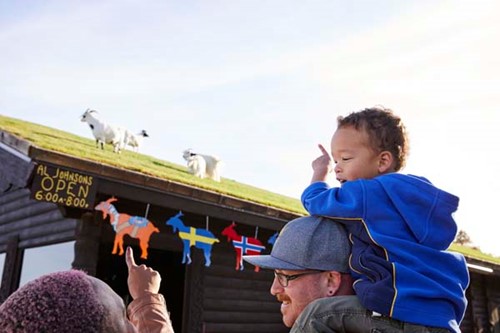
84 148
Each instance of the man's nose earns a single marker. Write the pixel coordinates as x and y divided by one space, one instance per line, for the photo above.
276 287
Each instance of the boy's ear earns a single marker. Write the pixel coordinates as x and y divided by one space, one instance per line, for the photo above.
385 162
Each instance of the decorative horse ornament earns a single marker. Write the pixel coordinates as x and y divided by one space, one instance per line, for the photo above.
273 238
124 224
242 245
200 238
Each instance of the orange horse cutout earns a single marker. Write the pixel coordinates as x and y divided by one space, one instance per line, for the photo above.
124 224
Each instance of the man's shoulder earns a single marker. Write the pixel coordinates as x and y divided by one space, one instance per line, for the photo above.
327 314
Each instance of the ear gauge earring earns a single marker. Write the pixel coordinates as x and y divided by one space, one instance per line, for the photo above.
330 292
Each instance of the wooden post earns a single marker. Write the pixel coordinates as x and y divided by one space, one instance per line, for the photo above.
12 268
193 295
88 233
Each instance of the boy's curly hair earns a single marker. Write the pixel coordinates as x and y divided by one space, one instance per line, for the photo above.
385 130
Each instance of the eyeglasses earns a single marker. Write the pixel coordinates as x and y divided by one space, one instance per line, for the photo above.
284 279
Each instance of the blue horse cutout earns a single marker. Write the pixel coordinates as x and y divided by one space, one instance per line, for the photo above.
273 238
200 238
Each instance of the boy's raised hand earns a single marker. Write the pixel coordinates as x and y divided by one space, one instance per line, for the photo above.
322 166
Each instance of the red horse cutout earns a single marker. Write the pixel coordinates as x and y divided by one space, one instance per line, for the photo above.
124 224
242 245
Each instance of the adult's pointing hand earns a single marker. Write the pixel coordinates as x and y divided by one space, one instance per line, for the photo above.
141 279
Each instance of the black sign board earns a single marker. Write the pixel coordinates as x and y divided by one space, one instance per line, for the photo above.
63 187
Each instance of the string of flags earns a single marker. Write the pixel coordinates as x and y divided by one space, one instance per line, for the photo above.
141 228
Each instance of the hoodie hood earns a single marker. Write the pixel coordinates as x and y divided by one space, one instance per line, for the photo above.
426 210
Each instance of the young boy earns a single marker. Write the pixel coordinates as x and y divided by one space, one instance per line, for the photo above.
399 225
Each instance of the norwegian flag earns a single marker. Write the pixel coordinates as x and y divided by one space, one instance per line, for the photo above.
248 246
243 245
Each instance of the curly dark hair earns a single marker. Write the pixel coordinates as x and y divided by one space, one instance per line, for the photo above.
385 130
56 302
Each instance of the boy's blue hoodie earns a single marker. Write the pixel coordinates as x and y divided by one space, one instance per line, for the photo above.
400 227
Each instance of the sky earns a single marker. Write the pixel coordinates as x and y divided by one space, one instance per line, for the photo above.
261 83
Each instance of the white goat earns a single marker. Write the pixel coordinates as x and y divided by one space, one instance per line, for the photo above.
134 140
203 166
197 166
103 132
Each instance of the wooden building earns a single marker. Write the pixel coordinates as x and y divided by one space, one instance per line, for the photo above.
49 198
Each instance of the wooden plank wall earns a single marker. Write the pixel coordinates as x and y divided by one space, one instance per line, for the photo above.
26 223
36 223
483 295
493 296
238 301
14 170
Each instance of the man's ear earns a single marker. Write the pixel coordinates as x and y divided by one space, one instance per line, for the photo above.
334 280
385 162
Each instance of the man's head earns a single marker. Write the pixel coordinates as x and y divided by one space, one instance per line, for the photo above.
310 260
368 143
68 301
115 317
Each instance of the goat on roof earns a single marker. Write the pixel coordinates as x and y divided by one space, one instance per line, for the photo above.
134 140
203 165
104 132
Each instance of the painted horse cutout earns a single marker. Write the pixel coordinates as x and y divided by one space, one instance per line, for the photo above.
242 245
273 238
200 238
124 224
